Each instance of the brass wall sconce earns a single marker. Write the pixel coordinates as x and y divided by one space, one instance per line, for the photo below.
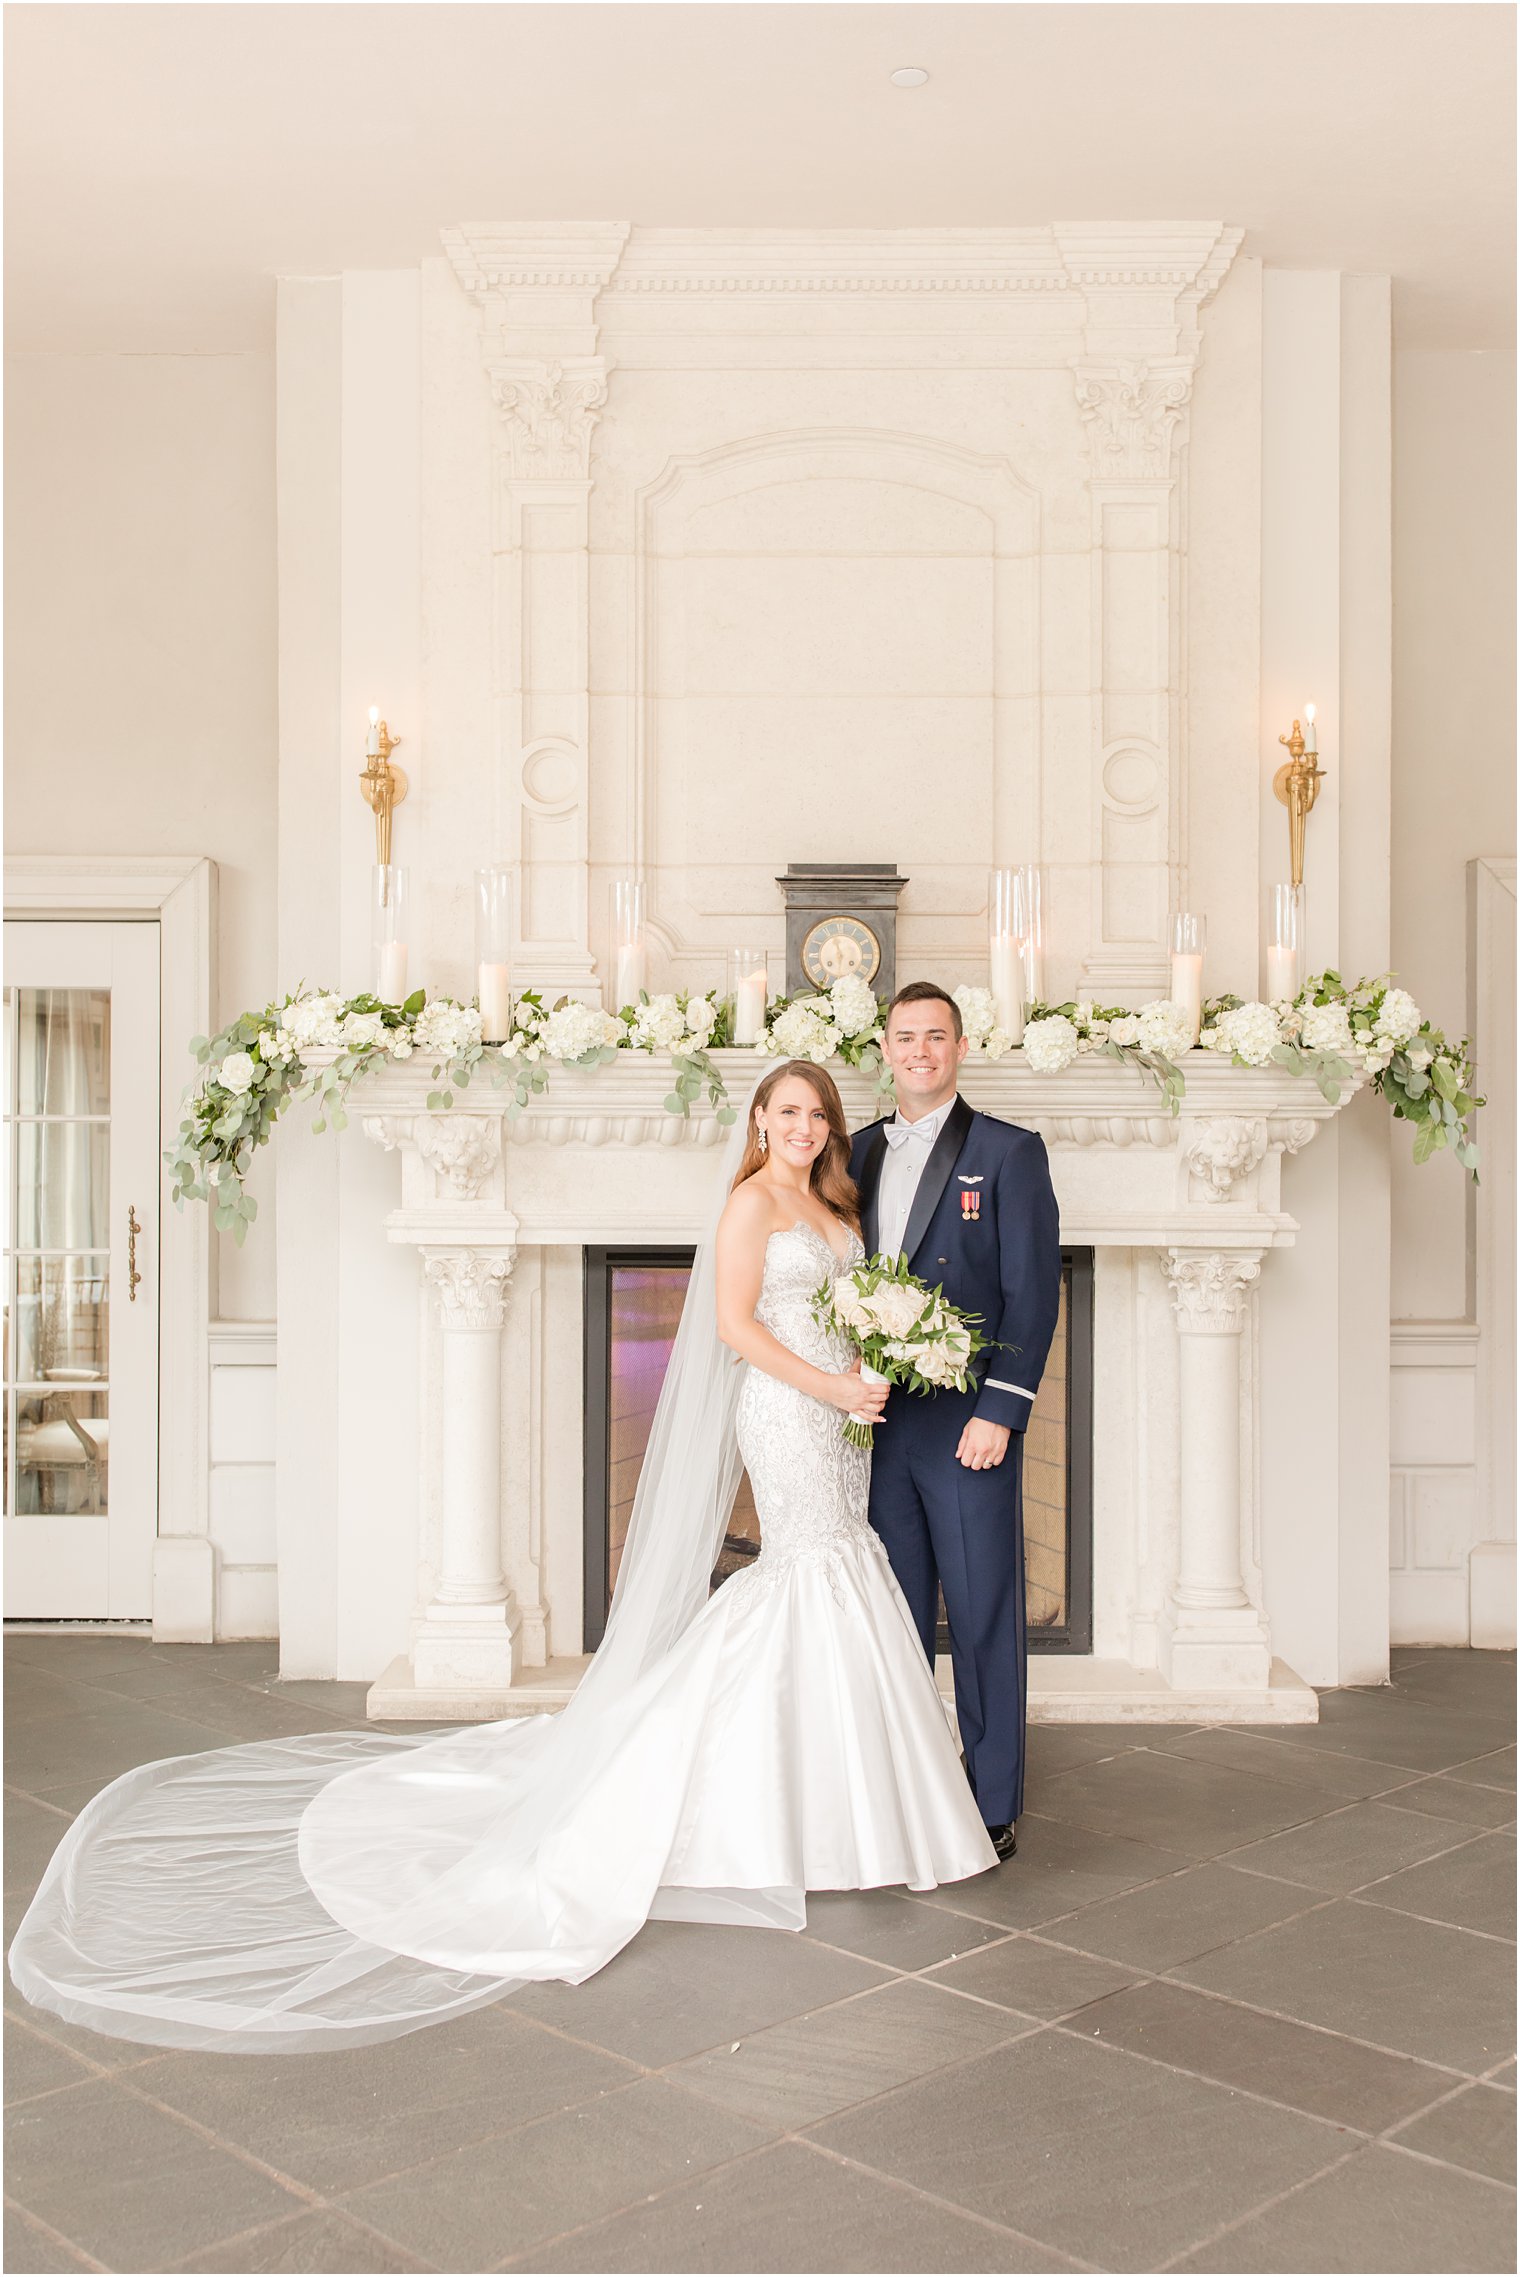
383 785
1297 785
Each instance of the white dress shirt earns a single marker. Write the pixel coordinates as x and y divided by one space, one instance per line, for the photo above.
901 1171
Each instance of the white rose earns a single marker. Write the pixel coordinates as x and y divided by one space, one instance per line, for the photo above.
936 1366
401 1043
236 1073
701 1012
1399 1017
1050 1044
852 1002
360 1028
897 1307
978 1009
1324 1028
1166 1028
997 1043
1419 1057
850 1305
1124 1030
1248 1033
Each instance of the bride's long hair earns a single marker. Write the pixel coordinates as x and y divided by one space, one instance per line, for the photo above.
831 1180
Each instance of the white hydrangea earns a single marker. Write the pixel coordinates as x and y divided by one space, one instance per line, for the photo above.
1125 1030
1050 1044
236 1073
1166 1028
1324 1028
659 1025
1399 1017
447 1029
312 1023
572 1030
853 1004
978 1010
360 1028
802 1032
1249 1033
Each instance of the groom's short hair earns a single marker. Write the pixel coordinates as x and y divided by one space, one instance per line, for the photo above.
927 992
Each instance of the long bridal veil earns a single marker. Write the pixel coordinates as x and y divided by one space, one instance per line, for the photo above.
347 1887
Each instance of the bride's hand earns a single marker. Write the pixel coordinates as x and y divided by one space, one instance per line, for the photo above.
853 1396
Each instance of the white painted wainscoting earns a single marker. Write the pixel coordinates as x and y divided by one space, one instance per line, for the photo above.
1433 1519
242 1487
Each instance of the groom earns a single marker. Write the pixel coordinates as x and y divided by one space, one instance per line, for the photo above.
968 1200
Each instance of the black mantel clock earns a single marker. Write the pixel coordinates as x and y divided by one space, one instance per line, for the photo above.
841 918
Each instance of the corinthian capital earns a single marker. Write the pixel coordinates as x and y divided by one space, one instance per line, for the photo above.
1132 412
472 1284
548 411
1210 1288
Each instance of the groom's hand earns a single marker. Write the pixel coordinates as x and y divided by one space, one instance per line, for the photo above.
983 1445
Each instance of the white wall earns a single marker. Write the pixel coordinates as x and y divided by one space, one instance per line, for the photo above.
140 646
1454 802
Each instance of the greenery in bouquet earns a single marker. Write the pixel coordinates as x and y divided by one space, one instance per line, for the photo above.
906 1332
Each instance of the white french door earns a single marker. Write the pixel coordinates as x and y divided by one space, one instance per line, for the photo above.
81 1189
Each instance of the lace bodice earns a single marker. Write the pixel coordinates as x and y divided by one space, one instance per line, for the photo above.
810 1485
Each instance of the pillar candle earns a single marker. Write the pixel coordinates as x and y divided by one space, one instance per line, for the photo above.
632 974
1007 981
1187 986
495 1003
392 989
750 994
1282 974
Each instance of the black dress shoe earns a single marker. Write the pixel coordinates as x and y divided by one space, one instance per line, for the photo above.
1004 1840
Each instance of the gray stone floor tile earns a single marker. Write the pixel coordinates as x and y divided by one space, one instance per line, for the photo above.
1322 2073
1472 1888
100 1744
336 2122
75 1653
1504 2075
681 1987
896 1930
1032 1978
32 1833
1380 2211
236 1713
1495 1769
35 2065
1475 2129
1267 1755
29 2252
344 1701
1382 1726
316 2244
1052 1748
484 2205
1178 1804
1351 1846
1464 1680
792 2207
1056 1870
1175 1920
1414 1986
132 2186
1442 1796
33 1695
1117 2161
802 2070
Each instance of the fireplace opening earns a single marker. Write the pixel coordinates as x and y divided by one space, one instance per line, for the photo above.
633 1299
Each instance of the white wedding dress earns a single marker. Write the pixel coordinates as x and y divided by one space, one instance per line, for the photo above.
352 1886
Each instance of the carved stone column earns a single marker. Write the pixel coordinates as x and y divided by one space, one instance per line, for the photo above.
1212 1637
537 293
467 1637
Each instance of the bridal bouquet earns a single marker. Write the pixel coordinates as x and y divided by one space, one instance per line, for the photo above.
906 1331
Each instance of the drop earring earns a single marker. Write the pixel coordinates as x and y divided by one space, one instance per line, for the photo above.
765 1143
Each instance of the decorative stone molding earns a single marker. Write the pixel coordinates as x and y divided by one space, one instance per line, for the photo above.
472 1284
549 413
460 1150
1225 1151
1210 1289
660 1129
1133 416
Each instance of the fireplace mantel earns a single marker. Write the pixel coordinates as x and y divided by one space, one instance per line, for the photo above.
1182 1212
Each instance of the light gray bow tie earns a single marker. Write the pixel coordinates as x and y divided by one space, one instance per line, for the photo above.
898 1134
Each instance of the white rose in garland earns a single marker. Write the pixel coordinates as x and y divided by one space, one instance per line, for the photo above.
236 1073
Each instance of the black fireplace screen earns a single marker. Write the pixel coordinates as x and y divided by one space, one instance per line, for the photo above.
633 1302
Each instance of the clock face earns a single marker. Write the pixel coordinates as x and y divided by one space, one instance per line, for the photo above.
838 946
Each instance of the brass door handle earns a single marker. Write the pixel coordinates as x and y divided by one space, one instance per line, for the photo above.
133 1276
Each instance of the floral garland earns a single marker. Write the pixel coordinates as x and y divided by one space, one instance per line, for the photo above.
313 1047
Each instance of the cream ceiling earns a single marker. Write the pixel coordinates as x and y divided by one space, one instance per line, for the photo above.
164 163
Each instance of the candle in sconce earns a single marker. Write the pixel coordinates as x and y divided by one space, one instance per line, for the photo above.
372 740
495 1003
1186 987
751 993
392 988
632 973
1311 735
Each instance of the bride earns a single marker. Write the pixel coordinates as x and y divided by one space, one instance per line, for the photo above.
723 1755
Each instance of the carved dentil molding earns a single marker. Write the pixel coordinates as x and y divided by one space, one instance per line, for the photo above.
1210 1289
460 1150
1133 413
548 412
471 1284
1224 1151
